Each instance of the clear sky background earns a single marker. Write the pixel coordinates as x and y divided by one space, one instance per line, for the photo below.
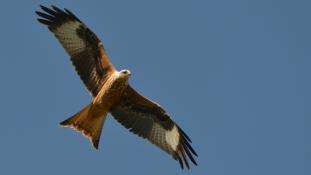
235 75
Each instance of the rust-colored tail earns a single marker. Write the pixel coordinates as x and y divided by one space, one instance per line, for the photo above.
89 121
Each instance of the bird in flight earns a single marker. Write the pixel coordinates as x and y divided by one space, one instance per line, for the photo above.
111 91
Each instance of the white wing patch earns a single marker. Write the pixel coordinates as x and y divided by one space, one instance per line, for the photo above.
172 137
168 140
69 38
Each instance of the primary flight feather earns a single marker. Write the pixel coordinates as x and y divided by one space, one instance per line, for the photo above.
111 91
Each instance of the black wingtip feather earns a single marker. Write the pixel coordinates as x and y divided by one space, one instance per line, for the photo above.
184 158
51 12
190 148
180 162
72 15
45 22
42 7
186 149
57 9
184 134
54 16
44 15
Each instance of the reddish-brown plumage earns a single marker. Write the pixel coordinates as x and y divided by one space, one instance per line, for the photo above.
111 92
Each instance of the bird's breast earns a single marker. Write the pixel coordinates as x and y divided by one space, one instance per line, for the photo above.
110 93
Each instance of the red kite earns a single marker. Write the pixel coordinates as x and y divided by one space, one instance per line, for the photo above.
111 91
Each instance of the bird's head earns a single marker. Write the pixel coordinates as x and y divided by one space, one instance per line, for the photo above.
125 73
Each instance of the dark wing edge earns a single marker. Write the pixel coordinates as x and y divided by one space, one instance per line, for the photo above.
84 47
148 120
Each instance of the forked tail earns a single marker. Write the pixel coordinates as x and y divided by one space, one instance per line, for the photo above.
89 121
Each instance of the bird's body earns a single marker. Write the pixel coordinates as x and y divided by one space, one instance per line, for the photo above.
91 118
111 91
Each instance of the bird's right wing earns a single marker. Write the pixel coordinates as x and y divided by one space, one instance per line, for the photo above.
84 47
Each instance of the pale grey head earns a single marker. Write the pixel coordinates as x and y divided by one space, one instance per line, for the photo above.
125 72
123 75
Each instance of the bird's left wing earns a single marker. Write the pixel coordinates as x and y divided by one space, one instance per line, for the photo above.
148 120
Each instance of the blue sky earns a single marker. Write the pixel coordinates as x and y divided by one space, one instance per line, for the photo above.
235 75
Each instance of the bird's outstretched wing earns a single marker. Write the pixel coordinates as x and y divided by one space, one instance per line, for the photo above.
148 120
84 47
